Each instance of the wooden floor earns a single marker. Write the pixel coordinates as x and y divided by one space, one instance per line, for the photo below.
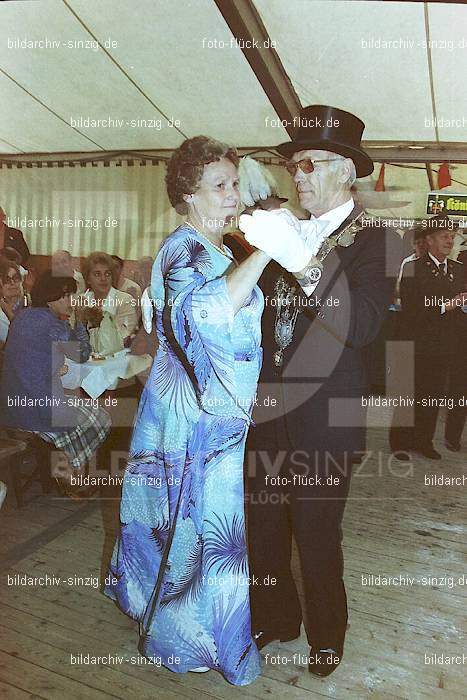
394 525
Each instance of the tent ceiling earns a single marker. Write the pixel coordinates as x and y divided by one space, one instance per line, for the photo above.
162 67
322 53
159 46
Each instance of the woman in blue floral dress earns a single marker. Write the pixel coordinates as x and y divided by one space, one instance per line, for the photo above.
180 565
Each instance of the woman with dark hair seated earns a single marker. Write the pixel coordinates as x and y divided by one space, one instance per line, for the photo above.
31 393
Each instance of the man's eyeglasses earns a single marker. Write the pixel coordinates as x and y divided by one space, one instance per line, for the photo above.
306 165
13 279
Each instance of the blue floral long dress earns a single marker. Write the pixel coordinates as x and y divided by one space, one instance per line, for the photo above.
180 561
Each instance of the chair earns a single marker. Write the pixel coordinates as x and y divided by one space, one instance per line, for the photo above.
9 448
22 444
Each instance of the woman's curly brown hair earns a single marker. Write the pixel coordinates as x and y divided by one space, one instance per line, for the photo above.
185 167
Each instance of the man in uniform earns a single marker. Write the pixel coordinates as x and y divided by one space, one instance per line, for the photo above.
433 292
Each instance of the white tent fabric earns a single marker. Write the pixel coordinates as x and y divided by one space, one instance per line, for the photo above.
158 69
123 210
153 60
372 59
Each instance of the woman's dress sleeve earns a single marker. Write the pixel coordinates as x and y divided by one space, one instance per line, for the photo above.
198 319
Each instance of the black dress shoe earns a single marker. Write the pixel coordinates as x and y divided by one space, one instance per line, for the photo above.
323 662
263 637
428 451
401 456
452 446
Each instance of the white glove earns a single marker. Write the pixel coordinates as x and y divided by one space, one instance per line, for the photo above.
288 217
147 310
277 237
311 231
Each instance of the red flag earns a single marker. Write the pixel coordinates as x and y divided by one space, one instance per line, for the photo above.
379 187
444 176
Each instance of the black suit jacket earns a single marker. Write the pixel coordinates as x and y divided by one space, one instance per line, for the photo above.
423 288
320 386
14 239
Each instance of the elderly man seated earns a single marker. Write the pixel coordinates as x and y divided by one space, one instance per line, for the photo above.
62 266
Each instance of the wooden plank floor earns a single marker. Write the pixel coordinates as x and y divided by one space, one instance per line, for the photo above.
394 525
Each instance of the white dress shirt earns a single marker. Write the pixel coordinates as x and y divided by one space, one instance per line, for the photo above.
328 223
443 268
331 220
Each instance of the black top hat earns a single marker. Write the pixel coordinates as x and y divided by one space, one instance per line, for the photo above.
419 233
330 129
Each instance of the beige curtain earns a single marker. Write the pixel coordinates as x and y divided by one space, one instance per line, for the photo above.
121 209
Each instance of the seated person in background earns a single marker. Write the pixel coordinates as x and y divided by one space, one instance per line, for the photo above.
13 256
143 272
62 266
12 238
124 284
11 295
28 276
32 397
103 303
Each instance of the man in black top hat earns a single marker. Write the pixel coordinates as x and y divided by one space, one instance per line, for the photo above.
310 421
433 291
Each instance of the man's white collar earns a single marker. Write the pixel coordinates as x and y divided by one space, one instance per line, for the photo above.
330 221
315 231
437 262
338 214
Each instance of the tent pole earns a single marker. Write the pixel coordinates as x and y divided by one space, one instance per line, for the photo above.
252 38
